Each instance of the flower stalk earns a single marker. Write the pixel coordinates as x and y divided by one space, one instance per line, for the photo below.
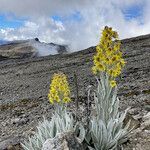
106 127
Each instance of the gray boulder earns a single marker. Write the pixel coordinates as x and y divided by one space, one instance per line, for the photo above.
63 141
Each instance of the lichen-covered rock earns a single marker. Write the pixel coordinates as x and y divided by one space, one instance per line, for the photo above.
63 141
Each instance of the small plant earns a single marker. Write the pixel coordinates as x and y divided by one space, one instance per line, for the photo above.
59 89
61 121
106 128
49 129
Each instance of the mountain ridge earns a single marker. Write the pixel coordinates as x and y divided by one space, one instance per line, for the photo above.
30 48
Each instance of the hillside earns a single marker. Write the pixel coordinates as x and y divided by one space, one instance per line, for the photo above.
29 48
29 78
24 83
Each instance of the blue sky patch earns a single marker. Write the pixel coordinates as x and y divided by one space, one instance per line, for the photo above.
133 12
76 16
7 21
57 18
11 21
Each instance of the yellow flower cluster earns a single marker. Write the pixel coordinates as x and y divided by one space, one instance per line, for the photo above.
59 89
108 56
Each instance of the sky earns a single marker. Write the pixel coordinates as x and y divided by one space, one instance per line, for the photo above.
77 23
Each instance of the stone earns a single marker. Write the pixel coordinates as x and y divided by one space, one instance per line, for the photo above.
133 111
63 141
19 121
11 143
138 147
147 107
146 125
133 122
146 117
146 122
15 120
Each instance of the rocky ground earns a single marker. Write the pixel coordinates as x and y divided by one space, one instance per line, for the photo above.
24 85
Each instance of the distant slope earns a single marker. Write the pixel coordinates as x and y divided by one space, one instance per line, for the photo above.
29 48
29 78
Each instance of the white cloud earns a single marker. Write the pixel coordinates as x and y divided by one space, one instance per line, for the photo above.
46 29
78 34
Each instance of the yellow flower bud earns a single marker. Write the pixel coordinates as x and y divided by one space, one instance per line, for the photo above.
113 83
66 99
94 70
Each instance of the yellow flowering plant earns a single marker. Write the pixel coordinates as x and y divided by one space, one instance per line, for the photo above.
59 89
106 128
59 93
108 58
61 120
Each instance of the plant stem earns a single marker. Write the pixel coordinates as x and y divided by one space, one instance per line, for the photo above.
77 93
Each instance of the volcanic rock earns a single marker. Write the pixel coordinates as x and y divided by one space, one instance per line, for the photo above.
63 141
